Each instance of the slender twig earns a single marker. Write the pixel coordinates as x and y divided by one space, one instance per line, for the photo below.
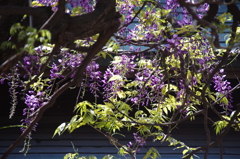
234 10
219 138
125 25
167 123
183 73
203 22
221 149
209 2
78 48
102 40
114 141
156 124
130 53
30 16
55 17
205 103
140 42
194 15
216 43
44 66
169 17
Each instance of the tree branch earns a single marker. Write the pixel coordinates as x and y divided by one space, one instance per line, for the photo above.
172 20
167 123
55 17
67 29
125 25
101 41
202 22
19 10
211 13
56 48
219 138
78 48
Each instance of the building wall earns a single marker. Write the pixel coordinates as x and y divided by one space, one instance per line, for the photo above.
90 142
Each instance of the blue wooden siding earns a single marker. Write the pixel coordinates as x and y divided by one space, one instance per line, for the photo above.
90 142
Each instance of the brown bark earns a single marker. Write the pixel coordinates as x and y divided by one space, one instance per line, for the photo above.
104 20
64 31
6 21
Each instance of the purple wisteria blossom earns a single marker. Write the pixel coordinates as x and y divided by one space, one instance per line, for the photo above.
157 72
139 141
121 66
33 101
222 86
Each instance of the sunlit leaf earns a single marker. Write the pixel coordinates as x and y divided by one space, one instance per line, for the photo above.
115 77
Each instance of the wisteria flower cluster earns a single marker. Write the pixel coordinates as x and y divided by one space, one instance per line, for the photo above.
223 88
159 71
139 141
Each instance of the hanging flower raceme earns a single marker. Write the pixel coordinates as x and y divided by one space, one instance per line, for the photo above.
223 87
115 77
160 63
33 101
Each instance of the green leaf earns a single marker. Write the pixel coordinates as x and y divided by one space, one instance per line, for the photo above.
45 36
115 47
165 12
13 126
185 151
138 113
21 35
95 37
152 153
70 156
122 151
108 157
121 94
15 28
117 60
60 129
212 97
147 154
7 44
220 125
168 87
92 157
224 17
186 28
224 100
82 107
115 77
165 110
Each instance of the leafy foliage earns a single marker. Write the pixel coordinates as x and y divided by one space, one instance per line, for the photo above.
164 68
30 35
